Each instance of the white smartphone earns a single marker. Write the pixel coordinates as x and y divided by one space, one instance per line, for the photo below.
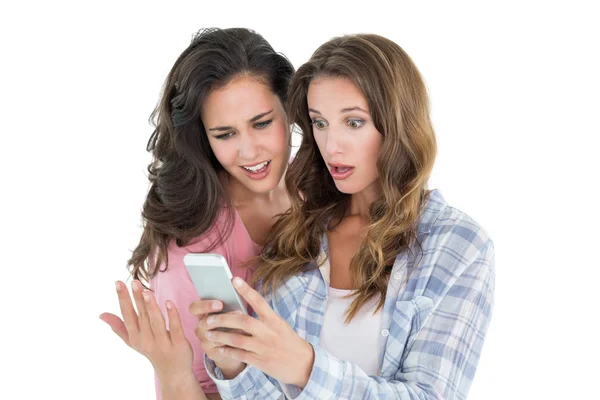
212 278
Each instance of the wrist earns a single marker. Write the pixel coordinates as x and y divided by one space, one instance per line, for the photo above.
229 371
307 366
178 382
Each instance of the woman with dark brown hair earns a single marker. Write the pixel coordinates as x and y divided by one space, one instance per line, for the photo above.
374 286
220 150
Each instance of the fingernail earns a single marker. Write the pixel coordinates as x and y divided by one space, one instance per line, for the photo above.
135 286
169 305
210 320
215 306
118 286
238 282
237 312
146 297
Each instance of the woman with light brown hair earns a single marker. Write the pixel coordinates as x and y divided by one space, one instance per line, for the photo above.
374 286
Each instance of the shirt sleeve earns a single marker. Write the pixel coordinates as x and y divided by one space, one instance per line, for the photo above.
251 383
441 360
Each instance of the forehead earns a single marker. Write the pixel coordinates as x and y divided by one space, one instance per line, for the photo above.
334 93
239 100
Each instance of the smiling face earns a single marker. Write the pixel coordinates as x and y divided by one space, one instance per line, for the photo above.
248 132
345 134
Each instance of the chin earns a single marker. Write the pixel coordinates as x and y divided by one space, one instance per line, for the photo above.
264 185
346 188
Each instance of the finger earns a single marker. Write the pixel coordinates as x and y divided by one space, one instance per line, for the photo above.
239 341
175 326
236 320
117 325
244 356
201 332
241 332
254 299
143 320
157 321
211 345
130 317
202 307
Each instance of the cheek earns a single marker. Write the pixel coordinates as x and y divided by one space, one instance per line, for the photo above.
277 140
282 136
224 152
321 141
371 149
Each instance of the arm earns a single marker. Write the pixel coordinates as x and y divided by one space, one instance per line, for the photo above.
146 332
250 382
186 388
175 285
439 363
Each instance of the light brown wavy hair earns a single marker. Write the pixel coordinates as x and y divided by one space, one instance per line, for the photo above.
399 105
186 194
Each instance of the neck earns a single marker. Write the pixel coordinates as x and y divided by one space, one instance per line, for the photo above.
360 203
241 195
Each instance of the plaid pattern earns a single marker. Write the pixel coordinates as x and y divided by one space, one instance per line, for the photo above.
436 314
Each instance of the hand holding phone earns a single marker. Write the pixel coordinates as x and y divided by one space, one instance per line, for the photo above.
212 279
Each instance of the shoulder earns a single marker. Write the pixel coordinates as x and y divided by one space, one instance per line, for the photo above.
213 240
446 228
450 246
216 235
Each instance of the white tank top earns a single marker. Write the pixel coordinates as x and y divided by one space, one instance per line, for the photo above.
359 341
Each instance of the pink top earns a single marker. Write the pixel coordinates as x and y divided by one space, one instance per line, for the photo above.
176 285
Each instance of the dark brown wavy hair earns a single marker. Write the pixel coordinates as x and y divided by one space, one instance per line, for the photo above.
186 194
399 105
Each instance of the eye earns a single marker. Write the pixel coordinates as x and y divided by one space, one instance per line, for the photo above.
319 123
224 136
355 123
263 124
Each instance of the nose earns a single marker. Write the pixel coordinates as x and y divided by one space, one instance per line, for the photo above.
334 142
248 146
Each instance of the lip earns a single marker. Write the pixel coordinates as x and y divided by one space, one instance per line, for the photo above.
255 164
338 176
339 165
257 175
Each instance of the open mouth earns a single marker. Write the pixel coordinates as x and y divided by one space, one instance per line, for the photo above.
340 171
257 168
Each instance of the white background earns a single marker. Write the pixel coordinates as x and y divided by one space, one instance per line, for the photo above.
515 99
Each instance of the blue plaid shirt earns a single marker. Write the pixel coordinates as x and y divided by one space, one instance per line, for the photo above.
436 313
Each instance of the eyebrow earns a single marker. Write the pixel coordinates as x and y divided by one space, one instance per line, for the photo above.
343 110
251 120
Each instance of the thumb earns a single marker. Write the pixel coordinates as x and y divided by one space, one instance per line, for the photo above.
117 325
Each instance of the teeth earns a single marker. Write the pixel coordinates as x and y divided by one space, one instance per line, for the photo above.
257 167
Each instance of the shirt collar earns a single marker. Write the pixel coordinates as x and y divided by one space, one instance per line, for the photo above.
430 211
